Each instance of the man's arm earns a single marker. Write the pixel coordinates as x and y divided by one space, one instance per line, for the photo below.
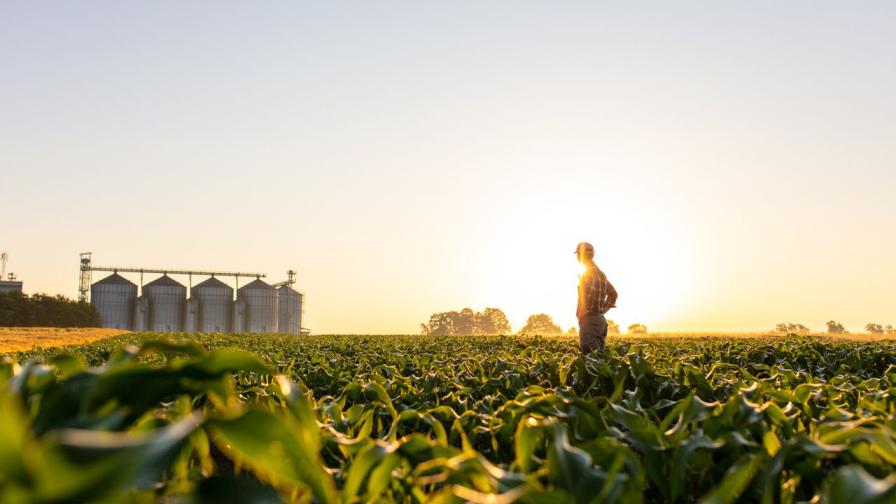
612 295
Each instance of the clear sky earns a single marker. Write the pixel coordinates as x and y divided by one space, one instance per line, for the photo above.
735 166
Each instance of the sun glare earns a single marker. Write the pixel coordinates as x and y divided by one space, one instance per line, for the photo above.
651 268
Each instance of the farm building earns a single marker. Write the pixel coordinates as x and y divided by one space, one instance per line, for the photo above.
10 287
8 282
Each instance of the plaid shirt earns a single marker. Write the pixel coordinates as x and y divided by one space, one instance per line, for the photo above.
596 293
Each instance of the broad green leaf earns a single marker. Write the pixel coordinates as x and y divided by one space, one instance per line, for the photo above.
67 365
365 463
214 364
735 481
272 449
771 442
529 436
82 463
571 469
302 411
15 441
853 485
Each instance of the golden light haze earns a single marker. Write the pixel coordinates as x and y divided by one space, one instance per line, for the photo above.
732 165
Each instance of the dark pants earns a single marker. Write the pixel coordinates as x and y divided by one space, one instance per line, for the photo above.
592 332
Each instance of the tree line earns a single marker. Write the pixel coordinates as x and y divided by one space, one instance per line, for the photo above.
834 327
493 321
467 321
42 310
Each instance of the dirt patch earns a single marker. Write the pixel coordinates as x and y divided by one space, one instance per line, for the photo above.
16 339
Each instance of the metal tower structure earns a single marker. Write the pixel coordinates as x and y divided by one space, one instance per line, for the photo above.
290 280
84 282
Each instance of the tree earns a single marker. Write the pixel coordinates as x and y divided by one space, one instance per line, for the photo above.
541 323
440 324
835 327
791 328
466 321
637 329
874 328
889 330
41 310
572 331
492 321
612 327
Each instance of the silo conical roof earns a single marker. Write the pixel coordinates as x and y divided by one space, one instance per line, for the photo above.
115 279
165 281
257 284
212 282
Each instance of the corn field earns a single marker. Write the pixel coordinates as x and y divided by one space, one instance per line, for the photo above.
203 418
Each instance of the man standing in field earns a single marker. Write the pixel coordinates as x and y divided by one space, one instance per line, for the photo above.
596 297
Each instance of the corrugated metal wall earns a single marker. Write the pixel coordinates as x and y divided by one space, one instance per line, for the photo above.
114 298
215 300
290 311
262 306
166 304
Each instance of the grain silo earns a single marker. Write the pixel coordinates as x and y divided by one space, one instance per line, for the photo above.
166 304
114 298
290 319
261 306
215 301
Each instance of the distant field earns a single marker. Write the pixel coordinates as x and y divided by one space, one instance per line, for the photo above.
755 335
16 339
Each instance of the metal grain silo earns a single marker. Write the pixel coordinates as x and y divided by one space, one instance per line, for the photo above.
261 306
290 319
166 304
114 297
215 301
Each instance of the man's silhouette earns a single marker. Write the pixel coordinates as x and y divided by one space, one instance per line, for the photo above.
596 297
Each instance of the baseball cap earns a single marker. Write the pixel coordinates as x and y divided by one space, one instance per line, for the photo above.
584 245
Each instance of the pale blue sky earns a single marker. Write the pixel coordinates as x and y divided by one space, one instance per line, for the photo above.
734 165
